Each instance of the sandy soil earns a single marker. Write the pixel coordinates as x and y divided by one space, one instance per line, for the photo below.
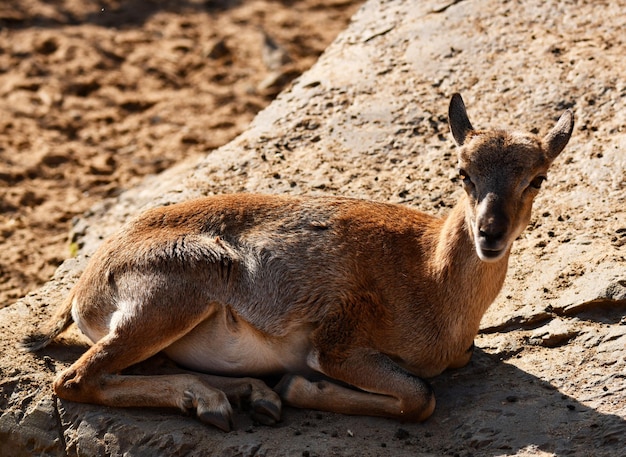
96 95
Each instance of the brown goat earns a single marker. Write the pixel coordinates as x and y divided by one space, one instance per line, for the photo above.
374 295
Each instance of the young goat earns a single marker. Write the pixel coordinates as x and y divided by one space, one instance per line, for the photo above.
374 295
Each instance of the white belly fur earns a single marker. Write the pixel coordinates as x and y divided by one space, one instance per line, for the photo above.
221 345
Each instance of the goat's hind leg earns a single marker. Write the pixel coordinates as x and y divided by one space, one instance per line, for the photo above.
95 378
263 402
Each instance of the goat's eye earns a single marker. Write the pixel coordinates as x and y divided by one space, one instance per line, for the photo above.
467 181
537 182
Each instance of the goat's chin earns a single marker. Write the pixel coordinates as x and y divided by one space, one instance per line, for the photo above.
490 256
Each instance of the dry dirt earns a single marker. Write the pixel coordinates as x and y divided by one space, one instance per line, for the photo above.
368 120
96 95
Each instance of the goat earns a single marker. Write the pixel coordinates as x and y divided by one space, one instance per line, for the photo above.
370 295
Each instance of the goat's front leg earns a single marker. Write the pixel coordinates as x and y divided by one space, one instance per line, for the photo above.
386 389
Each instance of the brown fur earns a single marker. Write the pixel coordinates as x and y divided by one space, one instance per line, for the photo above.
377 296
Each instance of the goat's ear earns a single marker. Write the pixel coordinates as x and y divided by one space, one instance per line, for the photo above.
557 138
460 125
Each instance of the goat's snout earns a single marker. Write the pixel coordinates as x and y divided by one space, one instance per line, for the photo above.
492 228
492 231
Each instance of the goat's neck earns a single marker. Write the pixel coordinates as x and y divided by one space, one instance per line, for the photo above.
469 285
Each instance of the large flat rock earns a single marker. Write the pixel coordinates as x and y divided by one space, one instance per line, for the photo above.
368 120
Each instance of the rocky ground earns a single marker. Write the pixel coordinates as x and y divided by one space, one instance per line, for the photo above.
368 120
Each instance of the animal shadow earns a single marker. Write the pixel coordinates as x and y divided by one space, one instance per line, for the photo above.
491 407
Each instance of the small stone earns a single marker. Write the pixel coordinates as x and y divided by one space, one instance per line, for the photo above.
556 333
402 434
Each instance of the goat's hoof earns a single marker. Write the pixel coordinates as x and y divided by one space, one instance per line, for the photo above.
266 412
215 411
219 420
266 405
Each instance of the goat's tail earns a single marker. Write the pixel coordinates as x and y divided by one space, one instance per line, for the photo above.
58 323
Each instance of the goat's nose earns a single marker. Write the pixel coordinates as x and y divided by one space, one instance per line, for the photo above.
493 221
492 234
493 229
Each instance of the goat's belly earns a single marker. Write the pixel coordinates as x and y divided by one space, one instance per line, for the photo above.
220 347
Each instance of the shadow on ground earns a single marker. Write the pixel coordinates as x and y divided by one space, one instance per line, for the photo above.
489 408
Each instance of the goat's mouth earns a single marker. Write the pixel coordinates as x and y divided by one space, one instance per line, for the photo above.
490 255
491 246
491 251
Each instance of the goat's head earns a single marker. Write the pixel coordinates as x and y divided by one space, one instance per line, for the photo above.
502 172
